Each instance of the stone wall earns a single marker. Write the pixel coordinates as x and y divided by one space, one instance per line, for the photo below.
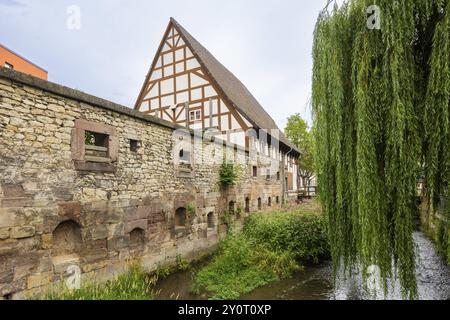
431 220
59 209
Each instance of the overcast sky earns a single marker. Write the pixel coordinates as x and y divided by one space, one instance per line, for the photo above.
266 44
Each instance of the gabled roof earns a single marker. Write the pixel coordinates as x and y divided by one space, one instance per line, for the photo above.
231 88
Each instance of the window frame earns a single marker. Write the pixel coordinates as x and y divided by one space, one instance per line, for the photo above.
193 115
78 146
135 145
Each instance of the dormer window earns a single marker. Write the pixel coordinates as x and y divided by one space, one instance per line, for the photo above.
9 66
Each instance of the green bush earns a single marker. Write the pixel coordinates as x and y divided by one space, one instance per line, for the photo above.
271 247
229 174
301 234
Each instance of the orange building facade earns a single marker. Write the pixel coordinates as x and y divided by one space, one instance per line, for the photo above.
11 60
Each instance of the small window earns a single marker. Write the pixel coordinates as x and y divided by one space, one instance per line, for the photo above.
277 199
211 223
185 156
247 205
268 174
255 171
195 115
278 176
96 147
9 66
135 145
269 201
259 204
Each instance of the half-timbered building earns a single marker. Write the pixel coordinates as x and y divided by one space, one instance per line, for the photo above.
188 86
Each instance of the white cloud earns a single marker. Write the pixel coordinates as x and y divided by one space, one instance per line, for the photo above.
266 44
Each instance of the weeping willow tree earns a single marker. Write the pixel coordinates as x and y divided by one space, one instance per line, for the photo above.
381 120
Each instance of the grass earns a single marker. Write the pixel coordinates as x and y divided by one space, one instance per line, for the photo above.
272 246
133 285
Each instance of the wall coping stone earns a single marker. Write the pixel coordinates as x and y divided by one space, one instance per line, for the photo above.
80 96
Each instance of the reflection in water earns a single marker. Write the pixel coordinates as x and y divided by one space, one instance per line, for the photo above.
315 282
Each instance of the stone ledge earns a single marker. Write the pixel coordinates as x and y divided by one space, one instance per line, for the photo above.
60 263
94 167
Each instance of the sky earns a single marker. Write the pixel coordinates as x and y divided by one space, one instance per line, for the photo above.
108 51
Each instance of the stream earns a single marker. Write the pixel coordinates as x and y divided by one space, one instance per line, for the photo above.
316 282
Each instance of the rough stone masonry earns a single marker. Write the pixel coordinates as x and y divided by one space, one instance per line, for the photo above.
100 206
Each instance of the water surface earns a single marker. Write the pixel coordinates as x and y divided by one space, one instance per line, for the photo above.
316 282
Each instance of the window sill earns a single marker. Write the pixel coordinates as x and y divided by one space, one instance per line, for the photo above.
97 159
87 166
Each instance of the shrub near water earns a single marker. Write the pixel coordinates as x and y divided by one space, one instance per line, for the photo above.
271 247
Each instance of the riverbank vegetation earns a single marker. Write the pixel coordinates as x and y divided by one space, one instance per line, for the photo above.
272 246
133 285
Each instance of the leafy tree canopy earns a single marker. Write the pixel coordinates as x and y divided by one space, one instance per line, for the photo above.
298 132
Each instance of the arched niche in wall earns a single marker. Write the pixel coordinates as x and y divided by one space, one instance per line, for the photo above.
231 207
247 205
66 239
137 239
211 220
180 218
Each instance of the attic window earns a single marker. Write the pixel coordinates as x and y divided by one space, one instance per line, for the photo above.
9 66
135 145
195 115
96 147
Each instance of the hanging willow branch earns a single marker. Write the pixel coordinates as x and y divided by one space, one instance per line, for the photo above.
374 93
